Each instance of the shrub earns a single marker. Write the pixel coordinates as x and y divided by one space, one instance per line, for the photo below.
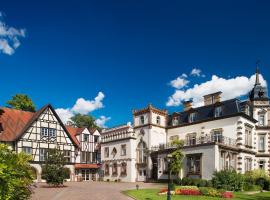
263 183
202 183
66 172
187 181
172 186
228 180
209 191
178 181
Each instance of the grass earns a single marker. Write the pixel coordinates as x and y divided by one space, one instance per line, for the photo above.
151 194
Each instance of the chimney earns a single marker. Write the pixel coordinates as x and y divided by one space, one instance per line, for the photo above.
212 98
187 105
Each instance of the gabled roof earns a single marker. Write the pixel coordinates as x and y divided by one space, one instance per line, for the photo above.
15 122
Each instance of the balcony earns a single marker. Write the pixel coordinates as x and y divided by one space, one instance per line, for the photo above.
221 140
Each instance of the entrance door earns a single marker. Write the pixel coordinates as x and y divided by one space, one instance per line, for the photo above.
86 174
141 175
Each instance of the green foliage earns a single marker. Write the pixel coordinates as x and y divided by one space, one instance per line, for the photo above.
15 175
53 171
172 186
256 180
21 102
196 182
187 181
81 121
177 157
228 180
209 191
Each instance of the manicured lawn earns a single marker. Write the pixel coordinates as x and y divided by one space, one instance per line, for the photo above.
151 194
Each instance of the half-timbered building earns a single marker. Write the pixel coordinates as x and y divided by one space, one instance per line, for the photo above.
36 132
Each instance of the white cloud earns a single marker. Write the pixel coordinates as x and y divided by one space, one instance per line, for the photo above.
230 88
102 120
9 37
179 82
196 72
84 107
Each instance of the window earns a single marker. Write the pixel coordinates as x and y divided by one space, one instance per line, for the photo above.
261 164
94 157
141 152
217 136
114 152
261 143
67 155
114 169
158 120
44 132
43 154
248 164
218 111
86 157
192 117
194 164
248 137
48 132
261 119
247 110
96 138
107 170
191 139
142 119
106 152
175 121
123 169
27 150
86 138
123 150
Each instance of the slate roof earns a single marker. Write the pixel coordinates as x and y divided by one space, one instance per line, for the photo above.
230 108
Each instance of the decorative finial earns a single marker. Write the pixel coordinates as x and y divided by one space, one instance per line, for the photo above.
257 82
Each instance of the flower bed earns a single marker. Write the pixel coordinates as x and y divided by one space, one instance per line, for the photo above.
195 191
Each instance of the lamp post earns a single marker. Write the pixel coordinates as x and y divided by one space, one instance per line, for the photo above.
169 159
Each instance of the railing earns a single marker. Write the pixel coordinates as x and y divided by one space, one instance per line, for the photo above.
198 141
119 136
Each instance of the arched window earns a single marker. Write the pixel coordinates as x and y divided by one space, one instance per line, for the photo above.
141 152
123 169
114 152
114 169
142 119
158 120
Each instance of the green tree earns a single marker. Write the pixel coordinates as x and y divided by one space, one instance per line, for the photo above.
21 102
176 157
53 171
81 121
15 175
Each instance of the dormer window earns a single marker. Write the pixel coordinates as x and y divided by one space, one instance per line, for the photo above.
158 120
142 119
218 111
247 110
192 117
175 121
85 138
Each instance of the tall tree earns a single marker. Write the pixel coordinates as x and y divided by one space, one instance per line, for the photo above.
177 157
53 171
22 102
81 121
15 174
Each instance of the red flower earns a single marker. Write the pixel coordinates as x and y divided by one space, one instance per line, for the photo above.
189 192
227 195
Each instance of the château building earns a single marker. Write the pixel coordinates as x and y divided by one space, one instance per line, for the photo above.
230 134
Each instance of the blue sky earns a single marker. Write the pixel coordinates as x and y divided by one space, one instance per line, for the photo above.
131 51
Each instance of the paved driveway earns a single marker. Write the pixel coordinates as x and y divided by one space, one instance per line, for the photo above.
88 190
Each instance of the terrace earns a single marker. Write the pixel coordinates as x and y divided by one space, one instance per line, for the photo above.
203 140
